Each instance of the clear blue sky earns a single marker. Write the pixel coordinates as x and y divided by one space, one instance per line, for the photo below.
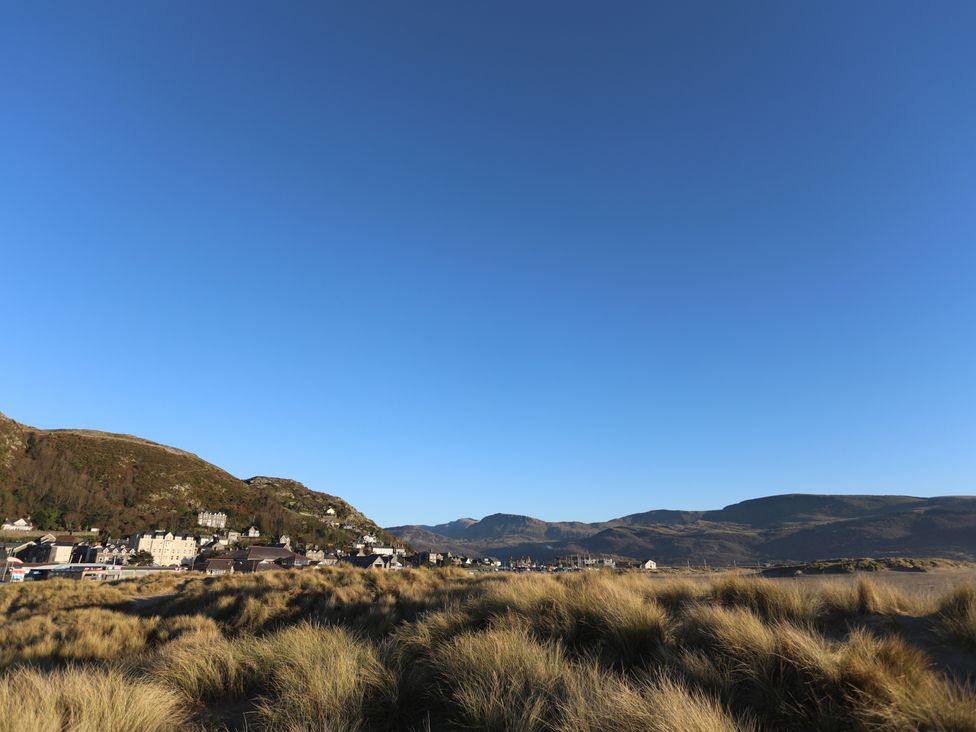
446 259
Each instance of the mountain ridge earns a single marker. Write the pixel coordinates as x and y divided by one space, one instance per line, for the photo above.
783 527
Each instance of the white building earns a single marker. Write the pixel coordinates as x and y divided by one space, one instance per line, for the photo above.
213 520
113 554
167 549
253 533
648 564
20 524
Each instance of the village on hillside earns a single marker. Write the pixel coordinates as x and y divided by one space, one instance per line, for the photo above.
216 550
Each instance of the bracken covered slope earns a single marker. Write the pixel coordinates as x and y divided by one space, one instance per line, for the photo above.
73 479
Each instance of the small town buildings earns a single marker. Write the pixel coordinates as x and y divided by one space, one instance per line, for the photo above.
219 566
112 554
167 549
456 560
21 524
579 561
370 561
422 558
84 553
211 519
49 549
224 539
260 558
11 568
327 560
253 533
314 554
10 549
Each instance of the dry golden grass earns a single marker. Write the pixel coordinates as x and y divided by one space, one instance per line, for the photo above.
606 703
589 613
369 601
348 650
890 686
205 669
80 634
322 679
866 597
25 600
153 584
502 680
957 617
765 598
790 676
184 628
302 677
83 699
675 594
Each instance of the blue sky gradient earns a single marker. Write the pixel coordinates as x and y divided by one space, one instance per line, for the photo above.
445 259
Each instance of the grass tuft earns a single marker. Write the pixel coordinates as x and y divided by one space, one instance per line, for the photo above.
87 700
957 617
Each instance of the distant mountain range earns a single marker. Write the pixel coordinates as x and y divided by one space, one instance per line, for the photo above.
800 527
75 479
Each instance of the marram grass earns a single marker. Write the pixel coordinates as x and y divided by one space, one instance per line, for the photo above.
348 650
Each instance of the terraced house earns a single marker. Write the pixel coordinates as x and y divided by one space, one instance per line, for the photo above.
213 519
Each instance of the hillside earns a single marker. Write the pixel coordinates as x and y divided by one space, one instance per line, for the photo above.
69 479
790 527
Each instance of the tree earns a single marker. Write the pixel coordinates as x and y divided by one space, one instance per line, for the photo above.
31 445
48 519
141 558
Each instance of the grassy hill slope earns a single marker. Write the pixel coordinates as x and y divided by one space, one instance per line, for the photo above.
70 479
